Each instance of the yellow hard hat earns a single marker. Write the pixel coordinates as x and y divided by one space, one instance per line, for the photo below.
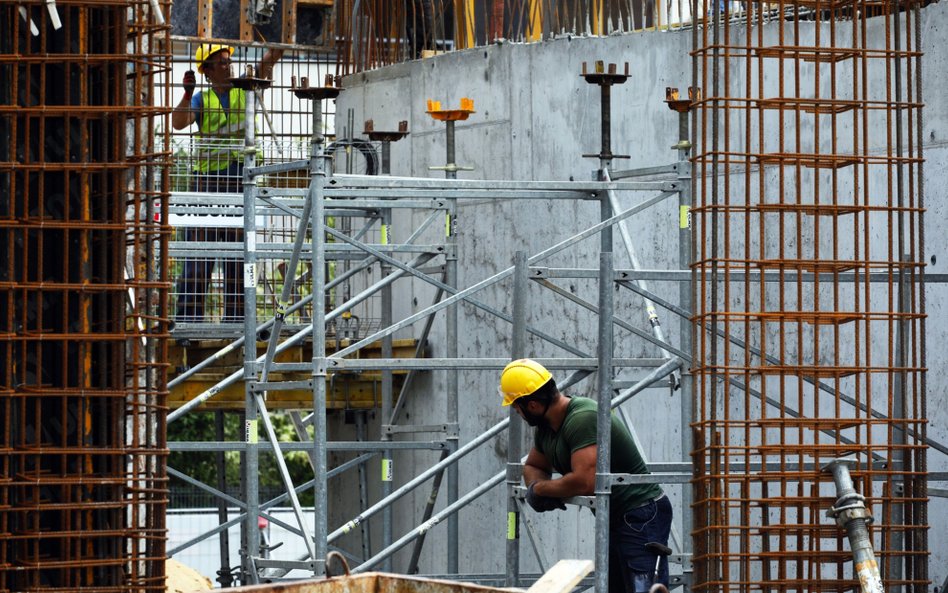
206 50
520 378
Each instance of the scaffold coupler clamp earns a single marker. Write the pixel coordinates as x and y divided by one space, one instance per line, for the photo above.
851 504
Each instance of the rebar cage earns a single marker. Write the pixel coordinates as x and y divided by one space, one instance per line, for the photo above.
83 292
374 33
809 322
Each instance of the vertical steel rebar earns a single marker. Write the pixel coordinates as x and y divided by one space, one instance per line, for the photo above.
790 180
82 358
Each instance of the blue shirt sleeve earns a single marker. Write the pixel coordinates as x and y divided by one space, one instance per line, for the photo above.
197 105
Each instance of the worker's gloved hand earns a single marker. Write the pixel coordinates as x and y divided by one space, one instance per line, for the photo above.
189 82
542 504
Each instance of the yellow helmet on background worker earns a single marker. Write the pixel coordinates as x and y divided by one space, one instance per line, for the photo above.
521 378
206 50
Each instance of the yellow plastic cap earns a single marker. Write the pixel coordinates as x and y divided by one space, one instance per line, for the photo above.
206 50
521 378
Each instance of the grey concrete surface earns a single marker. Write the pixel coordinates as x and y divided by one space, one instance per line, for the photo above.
535 117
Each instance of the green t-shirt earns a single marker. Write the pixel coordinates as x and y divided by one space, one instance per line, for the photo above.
579 430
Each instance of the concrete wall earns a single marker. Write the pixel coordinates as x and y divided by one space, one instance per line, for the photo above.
535 117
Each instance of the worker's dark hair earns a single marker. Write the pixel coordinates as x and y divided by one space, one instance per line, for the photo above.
544 394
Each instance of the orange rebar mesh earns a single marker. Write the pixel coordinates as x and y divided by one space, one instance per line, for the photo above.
808 171
374 33
83 186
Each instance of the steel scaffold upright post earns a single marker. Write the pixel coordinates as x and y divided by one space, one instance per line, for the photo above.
449 117
316 197
515 432
251 460
685 329
605 77
451 279
682 107
388 468
387 390
318 257
604 414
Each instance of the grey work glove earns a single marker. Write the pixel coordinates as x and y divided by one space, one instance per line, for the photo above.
542 504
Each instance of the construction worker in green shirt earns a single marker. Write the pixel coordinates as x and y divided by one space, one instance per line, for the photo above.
565 442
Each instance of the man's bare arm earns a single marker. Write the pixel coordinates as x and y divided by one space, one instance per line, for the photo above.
537 467
269 59
581 481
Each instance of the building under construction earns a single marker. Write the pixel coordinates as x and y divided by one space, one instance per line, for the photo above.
709 215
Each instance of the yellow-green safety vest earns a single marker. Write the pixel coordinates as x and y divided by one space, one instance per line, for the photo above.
220 132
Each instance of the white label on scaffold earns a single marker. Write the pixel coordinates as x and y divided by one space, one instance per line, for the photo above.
388 470
250 275
252 241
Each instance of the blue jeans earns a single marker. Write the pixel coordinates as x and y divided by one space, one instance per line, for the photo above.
631 566
192 284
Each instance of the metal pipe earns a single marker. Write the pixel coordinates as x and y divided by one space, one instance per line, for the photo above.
388 465
650 311
685 334
851 514
224 576
599 228
318 327
656 375
429 510
604 421
250 465
515 433
451 338
363 485
290 342
284 472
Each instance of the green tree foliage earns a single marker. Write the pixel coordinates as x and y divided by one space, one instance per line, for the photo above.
202 466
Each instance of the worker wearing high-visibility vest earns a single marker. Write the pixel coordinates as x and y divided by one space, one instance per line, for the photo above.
217 166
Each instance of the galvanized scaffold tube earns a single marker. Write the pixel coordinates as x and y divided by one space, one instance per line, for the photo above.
604 420
318 328
515 432
250 533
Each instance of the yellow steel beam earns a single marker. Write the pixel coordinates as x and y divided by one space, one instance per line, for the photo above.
596 18
464 27
345 390
535 20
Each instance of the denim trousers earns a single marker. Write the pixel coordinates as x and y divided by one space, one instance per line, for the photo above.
193 283
631 566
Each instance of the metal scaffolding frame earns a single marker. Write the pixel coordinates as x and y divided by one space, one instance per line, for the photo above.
374 198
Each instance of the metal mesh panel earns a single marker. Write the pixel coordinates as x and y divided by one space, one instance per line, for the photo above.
82 292
809 307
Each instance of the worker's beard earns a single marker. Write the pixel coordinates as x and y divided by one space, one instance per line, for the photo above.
535 420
